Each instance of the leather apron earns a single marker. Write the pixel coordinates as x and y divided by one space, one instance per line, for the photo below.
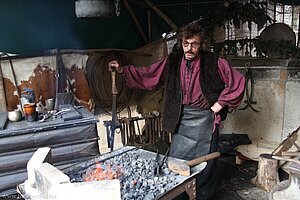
193 134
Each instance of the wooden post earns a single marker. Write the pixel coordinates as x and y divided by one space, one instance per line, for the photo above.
267 173
149 25
2 93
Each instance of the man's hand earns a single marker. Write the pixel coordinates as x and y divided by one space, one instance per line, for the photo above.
115 65
216 107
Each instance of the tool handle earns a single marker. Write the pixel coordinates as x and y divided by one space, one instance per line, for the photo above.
113 82
286 159
201 159
285 153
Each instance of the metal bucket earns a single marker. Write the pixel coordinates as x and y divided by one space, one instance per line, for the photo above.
30 112
94 8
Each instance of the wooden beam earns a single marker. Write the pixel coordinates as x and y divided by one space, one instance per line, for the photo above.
287 143
135 20
161 14
149 24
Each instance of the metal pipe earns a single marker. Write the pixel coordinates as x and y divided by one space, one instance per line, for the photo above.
193 3
72 51
270 68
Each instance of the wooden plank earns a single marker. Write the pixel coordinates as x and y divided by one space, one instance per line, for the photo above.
2 93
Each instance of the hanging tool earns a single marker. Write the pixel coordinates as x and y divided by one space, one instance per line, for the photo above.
114 124
249 94
183 168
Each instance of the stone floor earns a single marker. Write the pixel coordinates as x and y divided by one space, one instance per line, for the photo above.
234 180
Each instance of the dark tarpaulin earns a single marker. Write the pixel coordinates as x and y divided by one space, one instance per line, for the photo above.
70 142
66 155
34 26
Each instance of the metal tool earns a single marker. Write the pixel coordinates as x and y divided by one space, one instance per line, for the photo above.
159 163
249 94
43 118
183 168
112 125
61 111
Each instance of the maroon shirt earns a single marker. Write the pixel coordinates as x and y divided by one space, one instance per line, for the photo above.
152 76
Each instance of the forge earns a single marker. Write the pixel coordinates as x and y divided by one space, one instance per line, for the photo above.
134 169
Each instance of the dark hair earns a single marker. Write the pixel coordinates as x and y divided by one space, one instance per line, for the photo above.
189 30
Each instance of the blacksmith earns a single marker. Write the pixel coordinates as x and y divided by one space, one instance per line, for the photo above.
199 87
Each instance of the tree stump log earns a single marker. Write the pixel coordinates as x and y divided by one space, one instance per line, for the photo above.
267 173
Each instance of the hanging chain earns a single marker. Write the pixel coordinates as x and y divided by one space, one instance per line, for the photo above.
188 6
118 7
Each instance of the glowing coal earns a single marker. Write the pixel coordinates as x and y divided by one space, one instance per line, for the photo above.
136 175
102 171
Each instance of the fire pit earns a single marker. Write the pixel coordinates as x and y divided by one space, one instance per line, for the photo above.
135 169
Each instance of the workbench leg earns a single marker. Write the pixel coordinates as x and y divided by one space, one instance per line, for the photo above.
188 186
238 161
190 189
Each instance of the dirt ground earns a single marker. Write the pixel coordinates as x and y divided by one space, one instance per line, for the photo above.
234 180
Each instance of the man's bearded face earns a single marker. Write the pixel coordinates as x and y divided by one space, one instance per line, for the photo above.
191 47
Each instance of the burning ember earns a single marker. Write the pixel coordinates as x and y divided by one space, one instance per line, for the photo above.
136 175
102 171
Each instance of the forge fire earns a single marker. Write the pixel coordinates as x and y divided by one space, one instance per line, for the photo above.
136 175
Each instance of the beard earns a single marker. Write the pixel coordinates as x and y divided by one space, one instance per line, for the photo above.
189 55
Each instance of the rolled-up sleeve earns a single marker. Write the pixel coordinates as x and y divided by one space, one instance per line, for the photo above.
146 78
233 93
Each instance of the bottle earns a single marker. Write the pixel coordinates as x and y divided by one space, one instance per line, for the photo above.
39 106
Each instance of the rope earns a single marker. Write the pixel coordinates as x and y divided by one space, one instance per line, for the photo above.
99 80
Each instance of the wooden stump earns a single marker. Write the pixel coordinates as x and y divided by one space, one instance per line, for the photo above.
267 173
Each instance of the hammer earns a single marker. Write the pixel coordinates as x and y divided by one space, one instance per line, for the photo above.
183 168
